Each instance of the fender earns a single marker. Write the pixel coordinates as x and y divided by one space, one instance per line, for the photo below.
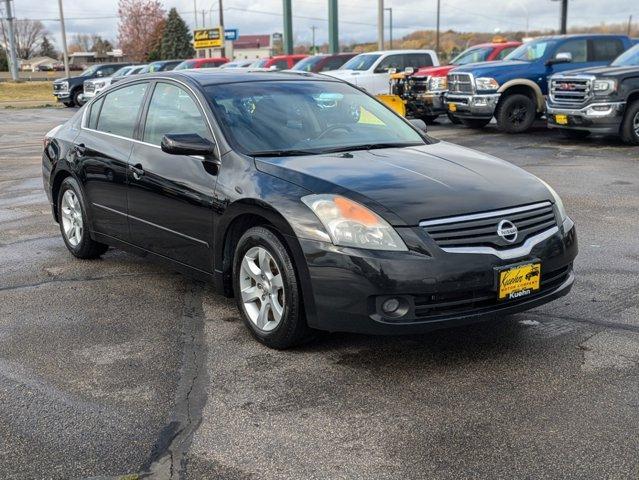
527 83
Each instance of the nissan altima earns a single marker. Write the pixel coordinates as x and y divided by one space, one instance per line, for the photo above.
310 202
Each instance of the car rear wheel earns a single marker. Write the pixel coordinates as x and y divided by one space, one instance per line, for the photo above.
72 217
630 124
267 291
475 122
516 113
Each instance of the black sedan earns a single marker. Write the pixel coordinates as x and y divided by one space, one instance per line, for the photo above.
312 203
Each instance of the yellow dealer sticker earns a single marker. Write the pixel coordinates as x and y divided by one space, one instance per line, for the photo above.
561 119
519 281
452 107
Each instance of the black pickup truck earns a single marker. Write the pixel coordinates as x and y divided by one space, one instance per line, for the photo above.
598 100
68 90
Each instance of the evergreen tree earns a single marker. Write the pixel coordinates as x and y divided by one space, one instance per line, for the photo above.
47 49
4 63
176 38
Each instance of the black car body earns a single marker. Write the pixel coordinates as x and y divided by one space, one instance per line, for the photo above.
599 100
438 223
69 90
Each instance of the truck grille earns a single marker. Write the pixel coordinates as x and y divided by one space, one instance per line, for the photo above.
89 88
571 91
57 87
481 229
460 83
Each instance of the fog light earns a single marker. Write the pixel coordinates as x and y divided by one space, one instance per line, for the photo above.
482 102
390 306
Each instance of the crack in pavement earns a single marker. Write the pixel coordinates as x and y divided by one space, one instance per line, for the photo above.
589 321
83 279
168 459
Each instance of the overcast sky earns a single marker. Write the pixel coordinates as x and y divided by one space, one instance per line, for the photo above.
357 17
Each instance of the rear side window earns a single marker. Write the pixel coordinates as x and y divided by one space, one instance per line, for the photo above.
120 109
172 110
333 63
578 48
417 60
93 114
504 52
605 49
281 64
392 61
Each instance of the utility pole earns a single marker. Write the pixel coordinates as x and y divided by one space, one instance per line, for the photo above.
223 50
333 35
629 24
313 28
195 11
390 11
380 24
12 42
564 16
63 32
288 27
203 18
437 34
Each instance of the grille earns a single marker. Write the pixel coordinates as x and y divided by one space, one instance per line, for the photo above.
569 91
481 229
57 87
476 301
419 85
460 83
89 87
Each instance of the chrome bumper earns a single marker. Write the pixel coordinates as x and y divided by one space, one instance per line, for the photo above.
593 110
477 105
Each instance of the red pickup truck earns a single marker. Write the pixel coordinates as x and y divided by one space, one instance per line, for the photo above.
424 89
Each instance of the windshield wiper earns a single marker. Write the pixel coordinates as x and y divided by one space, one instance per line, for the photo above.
371 146
282 153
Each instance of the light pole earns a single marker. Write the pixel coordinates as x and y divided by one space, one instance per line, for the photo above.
437 34
313 28
390 36
223 49
380 24
12 43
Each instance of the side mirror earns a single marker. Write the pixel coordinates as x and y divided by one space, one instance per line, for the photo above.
419 124
187 144
99 73
561 57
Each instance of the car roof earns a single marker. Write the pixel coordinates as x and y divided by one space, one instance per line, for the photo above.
205 77
580 35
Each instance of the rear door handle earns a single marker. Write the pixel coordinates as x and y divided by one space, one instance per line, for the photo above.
137 171
80 149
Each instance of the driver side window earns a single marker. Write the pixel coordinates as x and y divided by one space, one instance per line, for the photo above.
578 48
392 61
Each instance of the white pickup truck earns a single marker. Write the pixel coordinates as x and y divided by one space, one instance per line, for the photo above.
370 70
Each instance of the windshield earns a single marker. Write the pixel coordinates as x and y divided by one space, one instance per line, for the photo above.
472 55
629 58
259 63
122 72
360 62
529 52
307 64
89 71
300 118
185 65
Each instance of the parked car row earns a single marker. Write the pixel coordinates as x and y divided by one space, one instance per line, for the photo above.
582 83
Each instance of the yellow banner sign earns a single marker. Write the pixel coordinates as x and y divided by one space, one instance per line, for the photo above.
208 38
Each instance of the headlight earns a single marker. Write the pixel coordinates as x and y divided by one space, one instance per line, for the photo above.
350 224
485 83
604 86
438 83
64 86
99 84
558 203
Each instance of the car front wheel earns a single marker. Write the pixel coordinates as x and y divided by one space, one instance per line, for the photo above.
516 113
630 124
267 291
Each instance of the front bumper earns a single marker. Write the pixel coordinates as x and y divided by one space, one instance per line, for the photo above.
437 289
429 103
601 117
472 106
62 94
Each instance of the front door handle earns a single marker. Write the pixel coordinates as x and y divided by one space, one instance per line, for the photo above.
137 171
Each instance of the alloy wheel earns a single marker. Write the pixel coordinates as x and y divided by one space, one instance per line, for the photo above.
262 289
635 124
72 223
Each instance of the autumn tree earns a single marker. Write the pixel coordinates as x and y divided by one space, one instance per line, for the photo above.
176 38
138 23
156 43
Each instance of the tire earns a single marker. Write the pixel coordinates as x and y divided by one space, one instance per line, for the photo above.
73 220
76 97
574 134
272 311
630 125
516 113
453 119
429 119
475 122
68 104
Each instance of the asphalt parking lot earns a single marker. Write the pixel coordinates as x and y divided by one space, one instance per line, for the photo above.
123 367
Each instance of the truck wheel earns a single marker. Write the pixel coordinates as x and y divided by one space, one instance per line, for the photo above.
630 124
429 119
475 122
453 119
574 134
516 113
76 97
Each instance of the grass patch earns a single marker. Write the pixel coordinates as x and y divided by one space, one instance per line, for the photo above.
26 92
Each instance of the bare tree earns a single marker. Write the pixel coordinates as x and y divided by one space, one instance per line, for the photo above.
28 35
138 26
81 42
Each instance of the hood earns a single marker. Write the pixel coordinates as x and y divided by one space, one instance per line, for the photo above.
440 71
496 68
416 183
606 71
60 80
347 75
